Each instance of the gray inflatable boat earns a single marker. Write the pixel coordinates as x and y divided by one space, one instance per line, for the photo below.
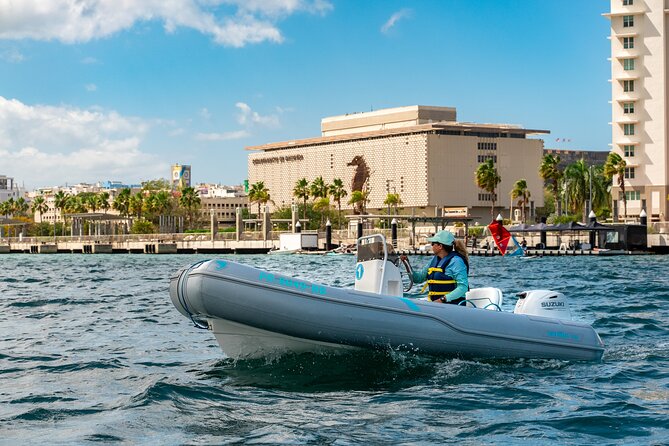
255 313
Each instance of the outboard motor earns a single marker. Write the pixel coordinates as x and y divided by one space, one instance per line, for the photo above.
376 271
545 303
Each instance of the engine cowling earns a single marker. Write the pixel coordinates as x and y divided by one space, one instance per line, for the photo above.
544 303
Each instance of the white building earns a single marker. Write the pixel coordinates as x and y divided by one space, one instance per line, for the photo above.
640 118
9 189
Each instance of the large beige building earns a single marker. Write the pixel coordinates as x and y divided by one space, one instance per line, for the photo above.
639 58
421 153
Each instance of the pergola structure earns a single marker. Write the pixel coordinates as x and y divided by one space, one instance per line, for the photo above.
99 223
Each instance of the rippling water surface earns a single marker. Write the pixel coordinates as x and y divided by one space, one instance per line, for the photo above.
92 351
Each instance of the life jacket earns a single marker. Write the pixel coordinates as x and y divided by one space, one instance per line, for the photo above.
439 283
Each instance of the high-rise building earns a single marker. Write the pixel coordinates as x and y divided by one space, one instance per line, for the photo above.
639 99
180 176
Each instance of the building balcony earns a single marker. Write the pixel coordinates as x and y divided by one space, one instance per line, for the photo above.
626 76
627 120
625 10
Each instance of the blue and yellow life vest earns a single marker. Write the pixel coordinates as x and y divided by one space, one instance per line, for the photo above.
439 283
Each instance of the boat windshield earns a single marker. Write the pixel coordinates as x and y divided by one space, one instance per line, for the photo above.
372 248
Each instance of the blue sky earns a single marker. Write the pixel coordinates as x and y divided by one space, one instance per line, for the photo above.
94 90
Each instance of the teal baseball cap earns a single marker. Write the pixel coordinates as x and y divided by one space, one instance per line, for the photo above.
444 237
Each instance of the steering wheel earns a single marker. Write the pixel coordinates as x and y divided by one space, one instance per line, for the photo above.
409 272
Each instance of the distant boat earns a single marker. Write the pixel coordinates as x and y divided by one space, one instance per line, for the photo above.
283 251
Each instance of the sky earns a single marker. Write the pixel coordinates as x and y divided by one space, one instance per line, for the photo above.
96 90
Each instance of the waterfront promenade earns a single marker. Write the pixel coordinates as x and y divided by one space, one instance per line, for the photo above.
252 243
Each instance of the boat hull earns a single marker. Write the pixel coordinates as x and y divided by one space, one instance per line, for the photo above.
247 307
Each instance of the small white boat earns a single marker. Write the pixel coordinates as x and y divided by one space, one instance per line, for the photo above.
283 251
254 313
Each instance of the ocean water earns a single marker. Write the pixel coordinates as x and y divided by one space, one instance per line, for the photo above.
93 352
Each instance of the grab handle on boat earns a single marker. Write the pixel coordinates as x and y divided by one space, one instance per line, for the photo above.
181 295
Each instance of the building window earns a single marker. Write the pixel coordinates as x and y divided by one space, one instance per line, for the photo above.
632 195
628 129
628 86
629 150
487 197
628 21
628 107
628 2
628 64
487 146
484 158
628 43
629 173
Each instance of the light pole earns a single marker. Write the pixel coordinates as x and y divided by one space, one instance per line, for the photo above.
590 184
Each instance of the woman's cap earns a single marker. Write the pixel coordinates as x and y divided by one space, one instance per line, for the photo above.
444 237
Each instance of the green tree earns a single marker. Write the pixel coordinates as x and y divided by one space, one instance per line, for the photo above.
103 201
258 193
60 201
487 178
6 208
190 201
137 204
318 188
39 206
122 202
359 200
322 206
615 166
521 193
337 192
577 186
550 172
393 200
156 185
302 191
20 206
601 191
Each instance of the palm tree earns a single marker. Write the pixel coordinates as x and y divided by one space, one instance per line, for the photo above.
615 166
190 201
358 200
337 191
318 188
577 185
6 208
487 178
258 193
322 205
601 189
522 193
60 201
122 202
137 204
103 201
163 202
39 206
393 200
20 206
301 190
550 172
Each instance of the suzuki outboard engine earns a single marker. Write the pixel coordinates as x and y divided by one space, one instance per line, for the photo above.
545 303
376 271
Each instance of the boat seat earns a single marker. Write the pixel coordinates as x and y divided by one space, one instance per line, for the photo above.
484 298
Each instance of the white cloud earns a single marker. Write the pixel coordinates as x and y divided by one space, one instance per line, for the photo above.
46 145
249 117
396 17
91 87
229 22
226 136
204 112
12 55
89 61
